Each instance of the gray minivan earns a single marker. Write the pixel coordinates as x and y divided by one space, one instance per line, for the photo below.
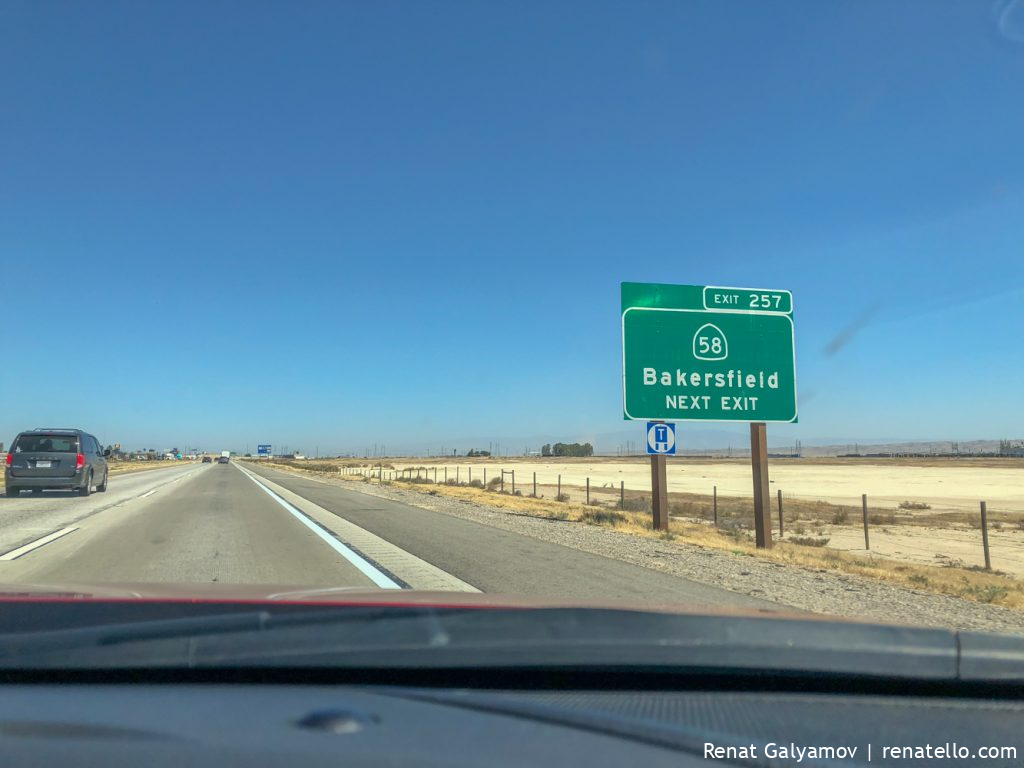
64 459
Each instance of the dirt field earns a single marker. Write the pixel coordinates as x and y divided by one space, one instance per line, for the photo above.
822 498
946 487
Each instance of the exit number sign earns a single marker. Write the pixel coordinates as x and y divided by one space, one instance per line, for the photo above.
707 353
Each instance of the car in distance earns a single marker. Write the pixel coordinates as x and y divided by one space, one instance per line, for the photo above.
60 459
207 460
222 459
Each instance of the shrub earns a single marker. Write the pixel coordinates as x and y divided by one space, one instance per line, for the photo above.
914 505
686 509
603 517
562 497
987 594
879 518
322 467
840 517
637 504
494 482
476 483
809 541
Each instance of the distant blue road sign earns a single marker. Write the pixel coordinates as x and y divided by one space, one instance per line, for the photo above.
661 438
262 450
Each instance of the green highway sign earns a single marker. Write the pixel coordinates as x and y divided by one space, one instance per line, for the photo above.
707 353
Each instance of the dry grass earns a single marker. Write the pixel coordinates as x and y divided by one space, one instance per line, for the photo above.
966 583
130 467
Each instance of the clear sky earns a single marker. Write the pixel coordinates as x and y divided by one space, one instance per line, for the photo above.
338 223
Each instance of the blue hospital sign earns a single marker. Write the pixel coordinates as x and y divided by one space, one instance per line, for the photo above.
661 438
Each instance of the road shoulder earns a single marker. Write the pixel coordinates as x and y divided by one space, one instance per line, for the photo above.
815 590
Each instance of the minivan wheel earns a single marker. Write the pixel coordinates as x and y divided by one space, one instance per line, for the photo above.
36 491
103 488
86 489
13 493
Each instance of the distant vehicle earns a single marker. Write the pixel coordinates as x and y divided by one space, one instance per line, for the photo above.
222 459
169 456
207 460
225 454
60 459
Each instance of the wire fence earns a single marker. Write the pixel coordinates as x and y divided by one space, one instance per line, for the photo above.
957 534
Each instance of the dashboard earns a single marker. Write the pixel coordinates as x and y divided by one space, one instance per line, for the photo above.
199 724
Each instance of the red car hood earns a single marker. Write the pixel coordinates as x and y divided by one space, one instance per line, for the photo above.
338 596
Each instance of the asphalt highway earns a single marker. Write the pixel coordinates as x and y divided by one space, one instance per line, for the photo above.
239 524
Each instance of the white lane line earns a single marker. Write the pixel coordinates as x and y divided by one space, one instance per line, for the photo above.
24 550
374 575
148 493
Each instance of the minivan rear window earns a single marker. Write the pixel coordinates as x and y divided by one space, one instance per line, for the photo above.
47 444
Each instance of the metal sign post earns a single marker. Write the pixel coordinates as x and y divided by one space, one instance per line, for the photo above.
762 494
659 492
661 442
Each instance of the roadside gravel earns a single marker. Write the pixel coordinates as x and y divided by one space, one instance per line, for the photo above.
816 590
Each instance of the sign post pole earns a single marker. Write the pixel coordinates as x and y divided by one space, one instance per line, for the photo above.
659 492
762 494
661 442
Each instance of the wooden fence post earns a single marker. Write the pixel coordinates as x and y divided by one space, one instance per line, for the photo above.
622 494
864 515
714 504
588 490
984 535
781 530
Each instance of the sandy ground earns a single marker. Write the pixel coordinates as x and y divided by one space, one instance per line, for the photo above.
936 546
944 488
947 487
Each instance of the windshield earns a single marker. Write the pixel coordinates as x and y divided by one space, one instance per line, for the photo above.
46 443
678 307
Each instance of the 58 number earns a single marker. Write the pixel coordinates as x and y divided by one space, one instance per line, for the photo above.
712 345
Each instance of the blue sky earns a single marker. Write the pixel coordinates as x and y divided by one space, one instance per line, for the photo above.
334 224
